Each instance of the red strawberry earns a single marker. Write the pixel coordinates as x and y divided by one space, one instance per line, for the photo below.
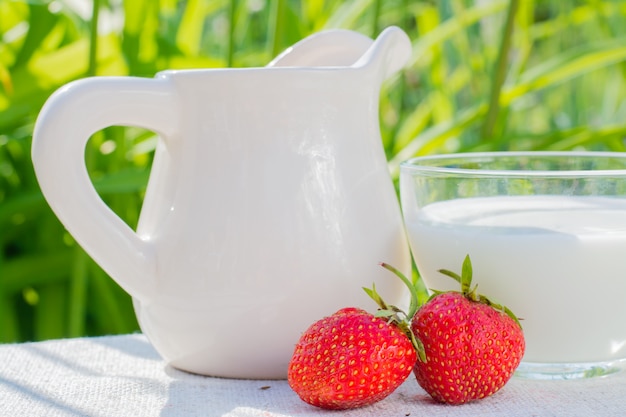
472 345
350 359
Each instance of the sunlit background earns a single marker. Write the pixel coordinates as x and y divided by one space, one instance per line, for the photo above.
485 75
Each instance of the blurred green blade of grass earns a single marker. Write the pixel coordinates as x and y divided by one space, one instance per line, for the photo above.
276 28
129 180
50 321
566 139
25 204
135 16
189 36
558 70
348 13
578 16
35 270
568 65
47 71
110 306
498 75
435 136
9 321
124 181
41 22
451 27
77 305
586 137
315 14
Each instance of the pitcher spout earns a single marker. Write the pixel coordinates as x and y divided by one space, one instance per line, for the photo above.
329 48
345 48
388 54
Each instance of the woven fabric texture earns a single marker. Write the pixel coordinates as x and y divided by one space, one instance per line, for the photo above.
124 376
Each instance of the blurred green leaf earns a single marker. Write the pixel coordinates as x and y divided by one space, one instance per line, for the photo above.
41 22
569 65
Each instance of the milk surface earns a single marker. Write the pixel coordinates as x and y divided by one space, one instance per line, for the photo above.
558 262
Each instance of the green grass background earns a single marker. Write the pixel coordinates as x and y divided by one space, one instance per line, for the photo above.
485 75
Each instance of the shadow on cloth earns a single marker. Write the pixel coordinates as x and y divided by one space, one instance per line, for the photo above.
196 395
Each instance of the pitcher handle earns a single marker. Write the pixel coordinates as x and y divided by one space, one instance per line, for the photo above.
66 122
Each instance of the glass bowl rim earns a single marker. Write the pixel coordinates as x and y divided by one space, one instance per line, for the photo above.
414 165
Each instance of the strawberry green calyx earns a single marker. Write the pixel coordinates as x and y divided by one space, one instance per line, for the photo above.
396 315
465 279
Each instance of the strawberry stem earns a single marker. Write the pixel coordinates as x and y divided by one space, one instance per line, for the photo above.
413 289
465 279
397 316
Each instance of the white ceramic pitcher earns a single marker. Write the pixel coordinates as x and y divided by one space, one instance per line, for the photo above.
269 203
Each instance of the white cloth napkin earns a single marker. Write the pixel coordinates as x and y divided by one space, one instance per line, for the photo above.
124 376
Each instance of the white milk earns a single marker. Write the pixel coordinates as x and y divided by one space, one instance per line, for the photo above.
558 262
